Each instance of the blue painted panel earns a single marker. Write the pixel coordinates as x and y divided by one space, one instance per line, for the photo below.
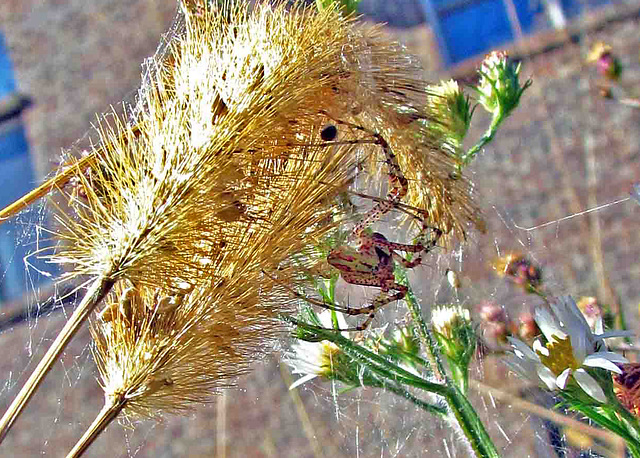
17 238
13 144
7 82
475 29
527 13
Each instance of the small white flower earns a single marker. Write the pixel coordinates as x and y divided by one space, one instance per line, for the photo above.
571 346
446 320
455 334
315 359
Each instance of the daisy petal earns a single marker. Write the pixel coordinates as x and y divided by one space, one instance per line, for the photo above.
563 378
574 314
615 333
547 377
604 361
612 356
522 367
538 348
523 348
581 345
302 380
548 324
589 385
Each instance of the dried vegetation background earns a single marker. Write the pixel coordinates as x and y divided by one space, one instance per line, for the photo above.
562 151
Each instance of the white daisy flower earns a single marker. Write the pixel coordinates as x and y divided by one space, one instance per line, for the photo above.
315 359
571 346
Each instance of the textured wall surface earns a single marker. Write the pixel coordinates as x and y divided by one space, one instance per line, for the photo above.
563 151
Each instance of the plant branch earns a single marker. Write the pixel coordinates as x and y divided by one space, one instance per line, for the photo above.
45 188
96 292
112 407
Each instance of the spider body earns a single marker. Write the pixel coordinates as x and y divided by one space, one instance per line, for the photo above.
369 265
373 262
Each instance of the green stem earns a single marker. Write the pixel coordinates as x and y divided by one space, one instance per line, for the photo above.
376 363
461 377
410 358
627 430
428 343
430 408
634 449
632 428
386 370
486 138
471 424
461 408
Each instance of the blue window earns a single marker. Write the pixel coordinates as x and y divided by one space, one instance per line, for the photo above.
17 236
468 28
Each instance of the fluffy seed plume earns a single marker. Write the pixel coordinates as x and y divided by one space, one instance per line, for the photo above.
228 123
226 148
165 354
161 354
229 126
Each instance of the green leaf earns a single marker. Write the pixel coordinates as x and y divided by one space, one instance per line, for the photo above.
347 7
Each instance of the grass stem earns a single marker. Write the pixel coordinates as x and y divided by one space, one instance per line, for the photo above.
45 188
112 407
96 292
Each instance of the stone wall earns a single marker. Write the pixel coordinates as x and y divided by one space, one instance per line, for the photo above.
563 151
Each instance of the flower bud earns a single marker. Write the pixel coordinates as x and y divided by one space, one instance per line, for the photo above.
528 329
499 89
452 109
454 331
491 312
521 270
606 62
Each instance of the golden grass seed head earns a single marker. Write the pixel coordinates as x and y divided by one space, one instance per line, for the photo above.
167 361
164 198
226 140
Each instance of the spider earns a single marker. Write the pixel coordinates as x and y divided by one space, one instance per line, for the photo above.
373 262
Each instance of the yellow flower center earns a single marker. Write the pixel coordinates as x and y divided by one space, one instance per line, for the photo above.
328 356
560 356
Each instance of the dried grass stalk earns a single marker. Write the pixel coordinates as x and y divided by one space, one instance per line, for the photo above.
221 172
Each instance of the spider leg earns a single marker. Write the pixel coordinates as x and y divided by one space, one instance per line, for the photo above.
379 240
380 301
351 311
407 209
433 242
398 184
393 246
407 264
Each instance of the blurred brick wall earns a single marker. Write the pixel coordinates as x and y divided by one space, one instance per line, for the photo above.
75 58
